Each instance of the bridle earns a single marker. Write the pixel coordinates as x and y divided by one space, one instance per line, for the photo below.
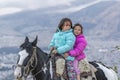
26 68
30 62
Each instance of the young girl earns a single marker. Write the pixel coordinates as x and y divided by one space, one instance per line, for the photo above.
79 46
63 41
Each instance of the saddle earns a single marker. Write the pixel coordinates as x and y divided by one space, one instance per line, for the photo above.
59 67
87 70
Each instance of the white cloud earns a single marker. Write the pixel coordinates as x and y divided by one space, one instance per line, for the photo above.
11 10
12 6
9 6
78 8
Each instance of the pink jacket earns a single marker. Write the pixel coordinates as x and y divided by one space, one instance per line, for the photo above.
79 47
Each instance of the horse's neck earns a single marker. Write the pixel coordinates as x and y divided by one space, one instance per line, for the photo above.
38 71
41 61
42 55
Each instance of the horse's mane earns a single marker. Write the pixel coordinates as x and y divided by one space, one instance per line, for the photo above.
100 63
42 54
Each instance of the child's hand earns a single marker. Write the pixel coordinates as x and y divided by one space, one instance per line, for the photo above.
54 51
52 48
66 55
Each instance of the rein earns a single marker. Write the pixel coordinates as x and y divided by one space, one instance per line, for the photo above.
34 57
45 65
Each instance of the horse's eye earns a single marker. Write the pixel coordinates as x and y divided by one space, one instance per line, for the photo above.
28 45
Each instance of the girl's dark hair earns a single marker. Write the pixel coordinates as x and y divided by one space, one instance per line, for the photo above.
61 23
77 24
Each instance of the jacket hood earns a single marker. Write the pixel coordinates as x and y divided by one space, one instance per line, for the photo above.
81 35
58 30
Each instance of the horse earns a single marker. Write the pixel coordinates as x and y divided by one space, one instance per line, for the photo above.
35 61
32 60
103 72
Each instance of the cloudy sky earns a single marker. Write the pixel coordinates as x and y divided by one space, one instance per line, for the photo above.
11 6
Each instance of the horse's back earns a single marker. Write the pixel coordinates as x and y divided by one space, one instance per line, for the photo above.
103 72
109 73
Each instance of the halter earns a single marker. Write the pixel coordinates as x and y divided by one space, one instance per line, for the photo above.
51 55
26 68
33 57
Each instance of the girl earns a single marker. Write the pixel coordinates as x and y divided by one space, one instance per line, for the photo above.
63 41
79 46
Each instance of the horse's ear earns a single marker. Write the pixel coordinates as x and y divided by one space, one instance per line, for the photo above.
34 43
26 39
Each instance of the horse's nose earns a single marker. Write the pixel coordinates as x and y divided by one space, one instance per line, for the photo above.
17 73
18 77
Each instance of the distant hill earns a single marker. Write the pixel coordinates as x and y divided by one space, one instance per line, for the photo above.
100 21
9 50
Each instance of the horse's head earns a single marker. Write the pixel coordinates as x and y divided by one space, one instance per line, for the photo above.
26 61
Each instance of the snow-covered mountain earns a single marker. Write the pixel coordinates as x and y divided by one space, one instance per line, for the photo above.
100 19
